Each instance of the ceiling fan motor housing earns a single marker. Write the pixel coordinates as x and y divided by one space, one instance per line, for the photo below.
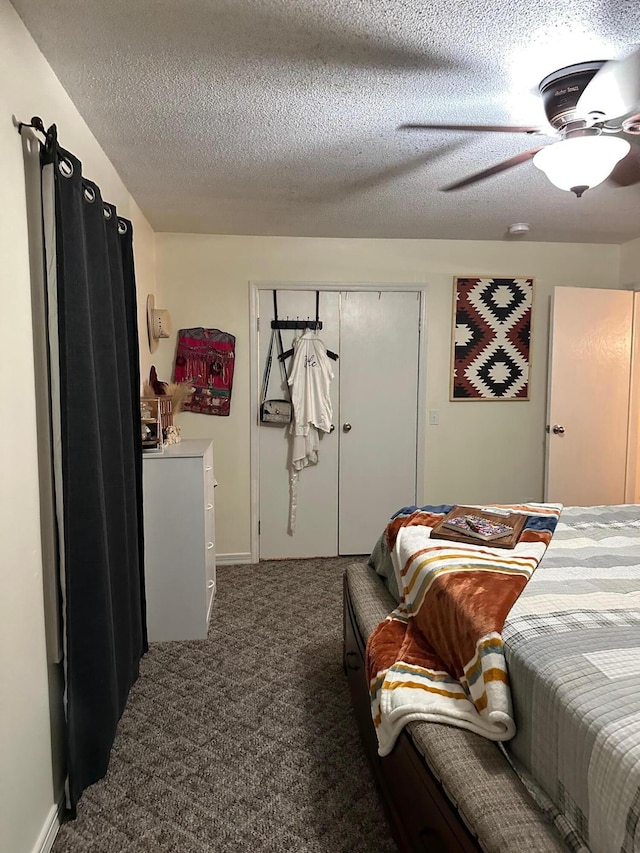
561 92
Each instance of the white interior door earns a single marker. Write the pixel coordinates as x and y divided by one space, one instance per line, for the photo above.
379 348
316 533
366 472
588 403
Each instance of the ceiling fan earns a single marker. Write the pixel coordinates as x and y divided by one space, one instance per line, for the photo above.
590 107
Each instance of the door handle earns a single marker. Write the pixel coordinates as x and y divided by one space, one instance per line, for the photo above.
558 429
346 428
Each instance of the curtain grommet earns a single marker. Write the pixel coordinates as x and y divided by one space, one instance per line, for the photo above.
65 167
89 194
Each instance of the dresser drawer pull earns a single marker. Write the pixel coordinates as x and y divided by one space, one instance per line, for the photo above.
209 506
209 546
211 584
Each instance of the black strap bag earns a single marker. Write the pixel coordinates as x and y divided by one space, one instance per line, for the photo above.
277 412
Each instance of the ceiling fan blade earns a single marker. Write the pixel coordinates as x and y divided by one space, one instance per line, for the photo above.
482 128
493 170
300 33
614 90
627 172
379 179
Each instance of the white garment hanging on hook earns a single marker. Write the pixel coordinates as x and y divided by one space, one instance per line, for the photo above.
309 381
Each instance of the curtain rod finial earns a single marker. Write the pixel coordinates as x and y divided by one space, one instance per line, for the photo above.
36 123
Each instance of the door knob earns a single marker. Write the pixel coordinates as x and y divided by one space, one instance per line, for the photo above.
346 427
558 430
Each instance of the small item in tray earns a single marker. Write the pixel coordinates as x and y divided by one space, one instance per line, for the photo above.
497 510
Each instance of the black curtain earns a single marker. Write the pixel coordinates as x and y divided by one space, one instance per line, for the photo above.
97 457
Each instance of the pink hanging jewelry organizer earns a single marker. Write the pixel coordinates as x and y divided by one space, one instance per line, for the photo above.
206 359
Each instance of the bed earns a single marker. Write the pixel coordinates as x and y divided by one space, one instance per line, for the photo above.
570 777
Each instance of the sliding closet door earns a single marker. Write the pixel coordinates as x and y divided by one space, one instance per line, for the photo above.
379 335
367 465
316 532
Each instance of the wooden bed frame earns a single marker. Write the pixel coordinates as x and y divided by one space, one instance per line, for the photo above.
421 816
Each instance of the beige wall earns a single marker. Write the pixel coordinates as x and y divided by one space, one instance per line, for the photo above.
630 264
203 281
29 87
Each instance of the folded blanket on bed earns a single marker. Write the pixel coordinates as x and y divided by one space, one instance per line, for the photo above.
439 656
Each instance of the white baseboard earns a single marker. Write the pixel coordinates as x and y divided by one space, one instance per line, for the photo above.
49 831
233 559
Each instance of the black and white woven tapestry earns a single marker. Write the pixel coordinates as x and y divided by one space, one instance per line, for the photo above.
491 338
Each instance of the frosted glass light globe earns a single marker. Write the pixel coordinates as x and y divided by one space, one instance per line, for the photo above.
581 163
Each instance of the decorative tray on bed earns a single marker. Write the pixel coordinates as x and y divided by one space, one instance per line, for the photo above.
469 534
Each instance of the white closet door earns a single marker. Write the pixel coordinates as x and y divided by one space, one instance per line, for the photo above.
365 474
379 343
317 516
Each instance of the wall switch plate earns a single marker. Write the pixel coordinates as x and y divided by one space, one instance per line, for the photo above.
434 417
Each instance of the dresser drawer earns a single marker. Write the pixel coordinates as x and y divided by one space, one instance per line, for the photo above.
179 541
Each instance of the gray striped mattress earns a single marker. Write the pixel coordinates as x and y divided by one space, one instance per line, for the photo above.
572 643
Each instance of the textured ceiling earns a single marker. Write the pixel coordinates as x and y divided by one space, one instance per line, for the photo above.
280 117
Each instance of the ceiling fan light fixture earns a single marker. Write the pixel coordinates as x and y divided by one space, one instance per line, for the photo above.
581 163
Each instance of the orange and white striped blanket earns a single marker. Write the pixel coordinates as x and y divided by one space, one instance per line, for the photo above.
439 655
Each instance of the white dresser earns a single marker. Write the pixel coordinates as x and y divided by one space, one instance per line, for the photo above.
180 554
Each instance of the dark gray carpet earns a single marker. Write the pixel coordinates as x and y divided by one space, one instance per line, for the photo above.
245 741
